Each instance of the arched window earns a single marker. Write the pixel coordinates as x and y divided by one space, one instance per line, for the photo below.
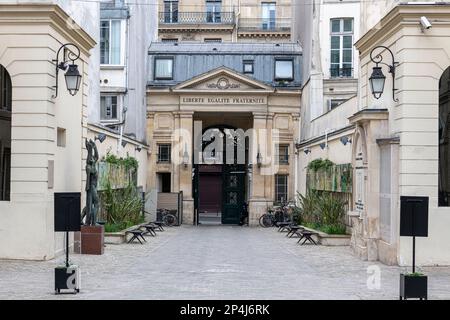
444 135
5 134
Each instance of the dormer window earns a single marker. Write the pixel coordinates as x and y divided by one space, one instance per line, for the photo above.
284 69
164 68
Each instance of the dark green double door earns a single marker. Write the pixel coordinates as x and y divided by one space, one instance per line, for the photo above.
233 193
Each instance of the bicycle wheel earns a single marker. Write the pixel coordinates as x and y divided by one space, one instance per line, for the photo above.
170 220
266 220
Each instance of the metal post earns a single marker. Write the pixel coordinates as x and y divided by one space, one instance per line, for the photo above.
414 239
414 255
67 249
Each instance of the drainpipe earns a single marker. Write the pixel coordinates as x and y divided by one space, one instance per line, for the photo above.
127 84
296 175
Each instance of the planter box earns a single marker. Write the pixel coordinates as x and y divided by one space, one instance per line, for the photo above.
326 239
413 287
92 239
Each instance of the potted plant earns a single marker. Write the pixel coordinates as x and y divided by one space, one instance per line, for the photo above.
413 285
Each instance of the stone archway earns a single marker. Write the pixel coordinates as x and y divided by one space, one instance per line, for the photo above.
5 133
360 165
444 139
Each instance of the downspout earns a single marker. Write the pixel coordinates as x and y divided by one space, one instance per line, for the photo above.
126 97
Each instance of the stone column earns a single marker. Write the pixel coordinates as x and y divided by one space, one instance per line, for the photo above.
258 201
151 182
185 173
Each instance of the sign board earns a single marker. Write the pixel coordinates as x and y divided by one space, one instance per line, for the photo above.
413 216
67 211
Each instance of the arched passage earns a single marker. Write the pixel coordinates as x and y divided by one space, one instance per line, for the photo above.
444 135
220 180
5 134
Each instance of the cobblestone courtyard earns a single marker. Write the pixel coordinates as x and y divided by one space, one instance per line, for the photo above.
215 262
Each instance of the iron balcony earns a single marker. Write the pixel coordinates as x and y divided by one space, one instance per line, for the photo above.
180 18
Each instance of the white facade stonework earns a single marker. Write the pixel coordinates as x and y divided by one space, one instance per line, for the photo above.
31 35
423 57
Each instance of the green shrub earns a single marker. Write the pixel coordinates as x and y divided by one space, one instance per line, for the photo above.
318 164
321 211
307 210
332 209
121 206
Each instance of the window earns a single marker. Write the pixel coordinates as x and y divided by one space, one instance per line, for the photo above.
108 107
61 137
170 11
283 154
443 140
341 49
5 134
214 40
169 40
335 102
164 151
281 188
5 90
213 10
268 15
284 69
110 31
248 66
163 68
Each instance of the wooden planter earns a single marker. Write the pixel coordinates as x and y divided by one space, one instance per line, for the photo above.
92 239
413 287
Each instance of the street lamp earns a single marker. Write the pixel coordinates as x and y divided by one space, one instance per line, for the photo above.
72 75
185 157
100 137
377 78
259 159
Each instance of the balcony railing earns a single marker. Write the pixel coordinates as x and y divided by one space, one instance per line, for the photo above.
196 17
261 24
341 72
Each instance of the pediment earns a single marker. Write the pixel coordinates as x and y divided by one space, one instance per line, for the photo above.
222 79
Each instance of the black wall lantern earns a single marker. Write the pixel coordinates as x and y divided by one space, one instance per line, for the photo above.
259 159
72 76
377 79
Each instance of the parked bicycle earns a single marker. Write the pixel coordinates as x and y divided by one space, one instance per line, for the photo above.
168 218
274 215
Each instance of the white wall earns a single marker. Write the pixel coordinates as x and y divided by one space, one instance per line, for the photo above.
347 9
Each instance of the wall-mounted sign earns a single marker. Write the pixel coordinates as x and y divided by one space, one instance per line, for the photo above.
224 100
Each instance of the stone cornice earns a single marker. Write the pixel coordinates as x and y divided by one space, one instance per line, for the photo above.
399 16
365 115
49 14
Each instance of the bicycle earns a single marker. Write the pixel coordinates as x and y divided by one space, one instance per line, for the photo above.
273 216
169 219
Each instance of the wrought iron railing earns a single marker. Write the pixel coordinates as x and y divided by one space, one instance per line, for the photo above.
341 72
261 24
196 17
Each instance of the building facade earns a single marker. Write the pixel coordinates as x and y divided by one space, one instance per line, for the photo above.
401 137
41 135
396 141
126 29
204 93
327 31
224 20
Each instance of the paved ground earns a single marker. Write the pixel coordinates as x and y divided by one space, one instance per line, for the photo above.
216 262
